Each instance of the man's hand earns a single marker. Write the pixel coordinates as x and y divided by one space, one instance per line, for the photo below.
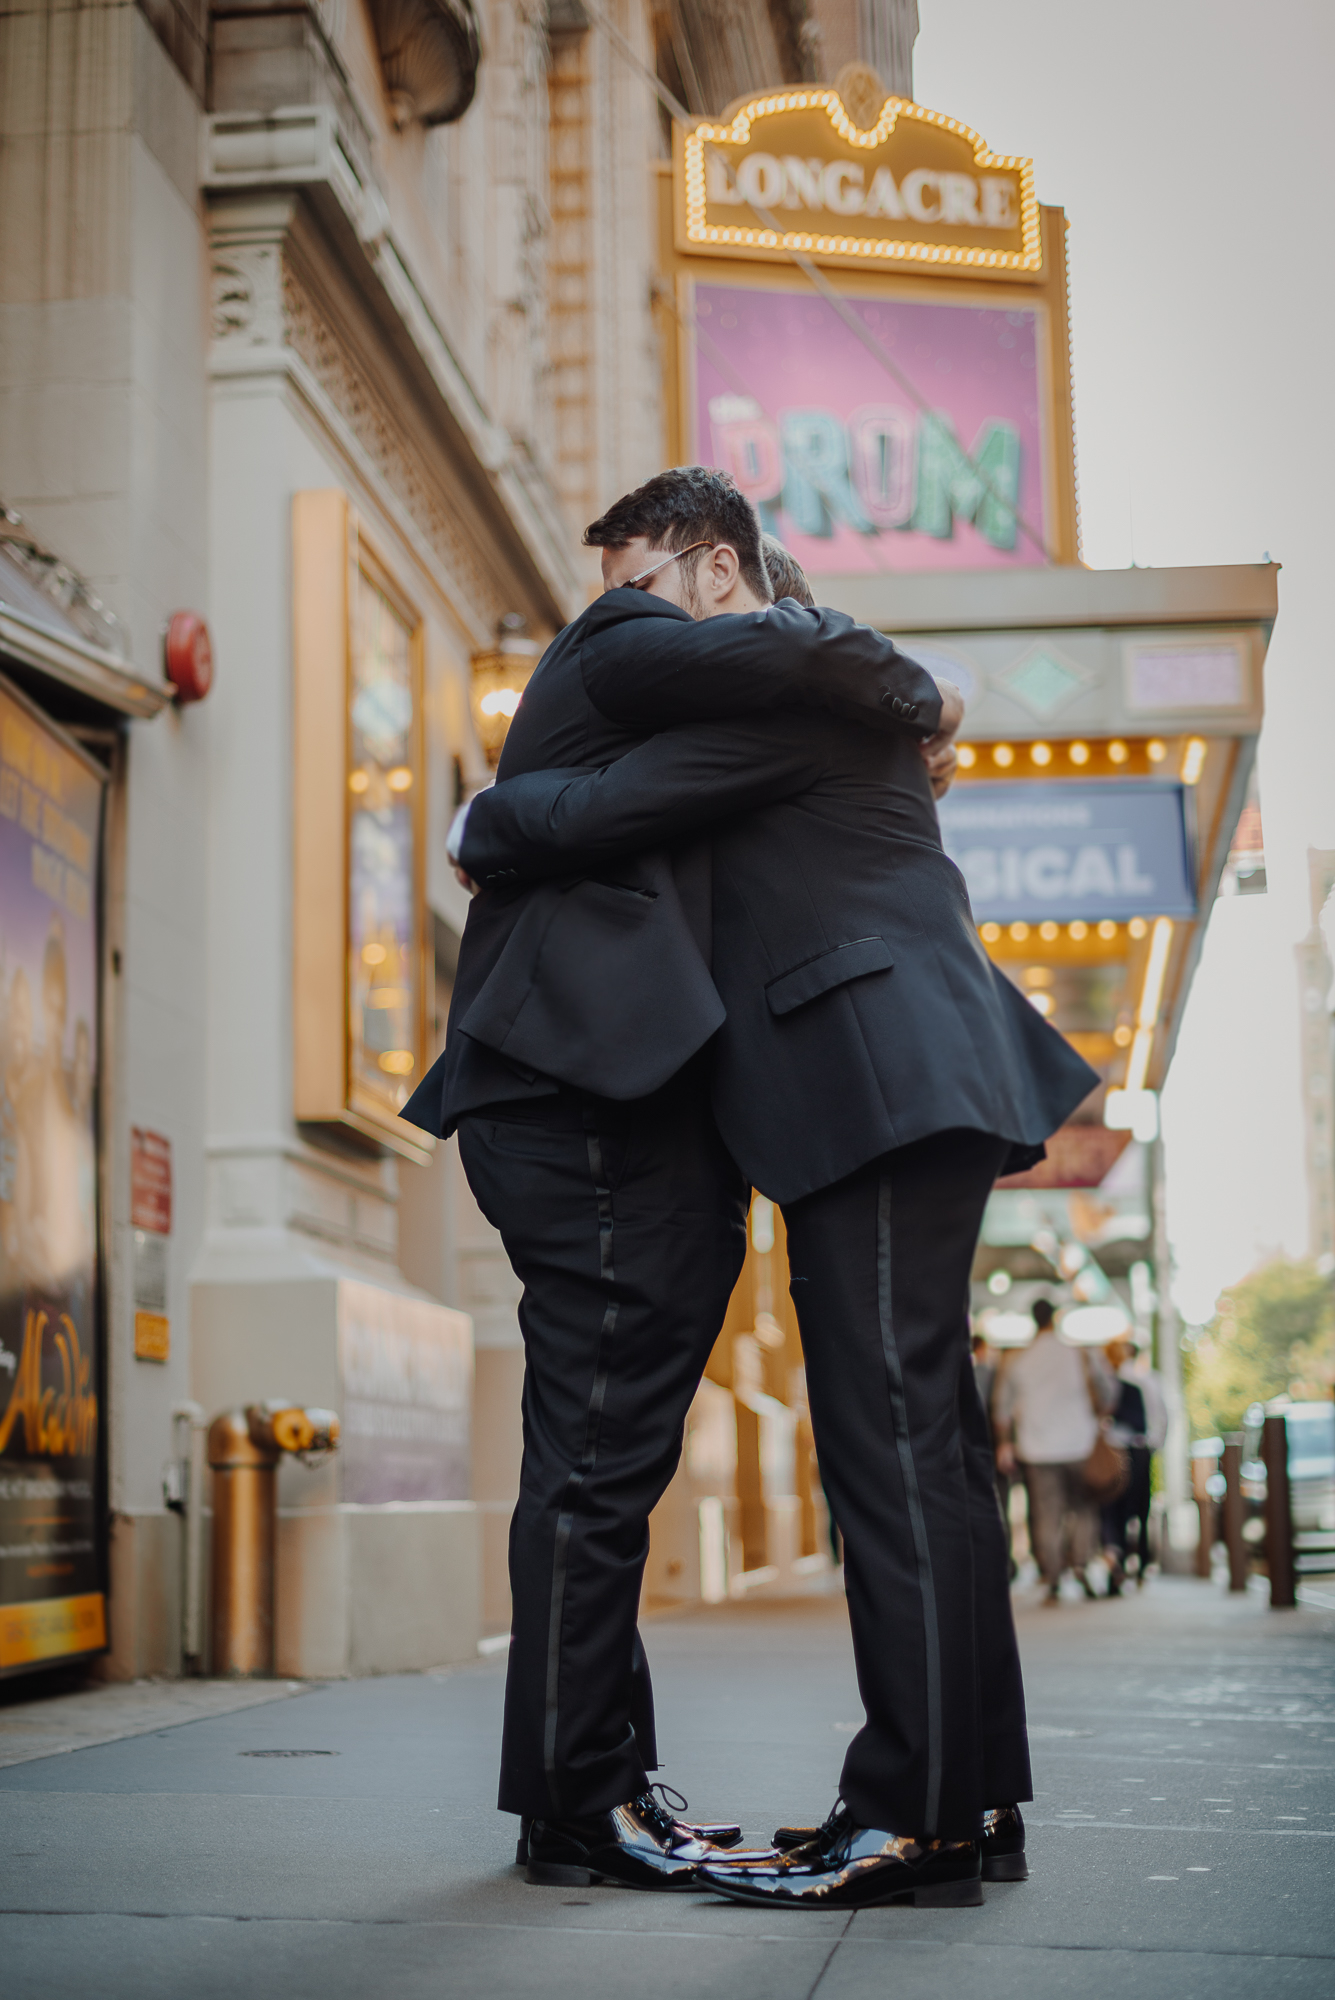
1005 1457
942 760
938 752
952 708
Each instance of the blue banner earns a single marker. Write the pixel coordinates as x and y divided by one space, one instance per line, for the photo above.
1064 850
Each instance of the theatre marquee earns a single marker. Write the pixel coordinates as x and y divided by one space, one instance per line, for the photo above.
915 190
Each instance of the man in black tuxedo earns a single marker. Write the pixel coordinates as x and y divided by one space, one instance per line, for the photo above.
872 1073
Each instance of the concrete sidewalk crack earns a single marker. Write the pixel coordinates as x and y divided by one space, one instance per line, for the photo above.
829 1956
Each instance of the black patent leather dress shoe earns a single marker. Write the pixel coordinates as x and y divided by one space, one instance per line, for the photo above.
715 1832
638 1844
852 1867
1003 1845
1001 1841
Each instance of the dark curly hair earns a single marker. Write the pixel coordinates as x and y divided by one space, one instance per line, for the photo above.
689 503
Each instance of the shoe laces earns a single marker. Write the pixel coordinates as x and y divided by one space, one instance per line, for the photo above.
671 1798
833 1828
657 1814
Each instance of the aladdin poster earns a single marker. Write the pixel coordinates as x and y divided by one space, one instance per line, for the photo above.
51 1586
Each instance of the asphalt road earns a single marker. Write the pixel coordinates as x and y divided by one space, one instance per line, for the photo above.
342 1841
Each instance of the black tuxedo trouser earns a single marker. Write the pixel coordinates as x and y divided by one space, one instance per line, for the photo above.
880 1278
627 1226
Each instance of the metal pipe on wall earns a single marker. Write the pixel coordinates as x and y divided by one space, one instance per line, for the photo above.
189 1427
244 1447
244 1525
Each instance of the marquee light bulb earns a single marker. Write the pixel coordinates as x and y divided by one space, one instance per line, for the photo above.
1117 751
1019 932
1048 931
967 755
1077 930
1041 753
990 933
1139 1061
1156 965
1156 750
1193 760
1078 753
1107 929
1003 755
1138 927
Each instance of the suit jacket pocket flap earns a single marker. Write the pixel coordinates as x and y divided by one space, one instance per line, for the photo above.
832 968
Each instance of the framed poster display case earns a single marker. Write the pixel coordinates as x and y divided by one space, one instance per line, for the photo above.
52 1446
361 973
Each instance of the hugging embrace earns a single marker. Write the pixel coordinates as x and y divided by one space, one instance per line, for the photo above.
716 946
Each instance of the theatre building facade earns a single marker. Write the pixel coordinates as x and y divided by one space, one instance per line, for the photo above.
319 343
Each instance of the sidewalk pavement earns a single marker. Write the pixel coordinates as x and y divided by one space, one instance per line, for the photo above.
342 1842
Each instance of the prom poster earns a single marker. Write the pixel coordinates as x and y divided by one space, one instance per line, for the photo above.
938 461
52 1604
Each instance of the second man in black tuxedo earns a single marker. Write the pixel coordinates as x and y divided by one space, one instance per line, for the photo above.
577 1072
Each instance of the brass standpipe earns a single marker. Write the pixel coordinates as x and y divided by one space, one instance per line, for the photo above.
244 1447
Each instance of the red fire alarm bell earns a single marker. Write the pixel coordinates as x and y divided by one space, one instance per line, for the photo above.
189 652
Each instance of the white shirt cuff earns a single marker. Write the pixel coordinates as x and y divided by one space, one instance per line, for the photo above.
454 839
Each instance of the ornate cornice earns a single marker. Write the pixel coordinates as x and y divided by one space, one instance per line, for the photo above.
289 178
270 313
398 462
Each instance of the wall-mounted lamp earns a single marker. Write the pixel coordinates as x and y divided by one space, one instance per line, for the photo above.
500 676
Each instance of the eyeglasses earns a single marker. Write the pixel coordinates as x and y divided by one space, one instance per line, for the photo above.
641 581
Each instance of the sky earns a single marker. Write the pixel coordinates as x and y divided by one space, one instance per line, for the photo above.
1186 140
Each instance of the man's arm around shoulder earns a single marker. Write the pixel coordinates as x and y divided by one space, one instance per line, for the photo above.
646 664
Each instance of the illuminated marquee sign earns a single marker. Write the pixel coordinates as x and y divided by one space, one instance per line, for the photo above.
1110 848
916 189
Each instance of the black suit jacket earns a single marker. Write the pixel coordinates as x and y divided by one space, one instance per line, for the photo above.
601 980
861 1010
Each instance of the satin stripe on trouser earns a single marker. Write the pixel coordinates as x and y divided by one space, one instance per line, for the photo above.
880 1267
628 1238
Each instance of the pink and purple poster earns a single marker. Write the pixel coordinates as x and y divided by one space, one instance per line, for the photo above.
845 465
51 1558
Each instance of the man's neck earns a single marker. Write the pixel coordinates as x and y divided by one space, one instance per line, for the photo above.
740 598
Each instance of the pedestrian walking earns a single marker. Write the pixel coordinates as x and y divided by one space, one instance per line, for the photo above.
1047 1418
872 1073
1138 1424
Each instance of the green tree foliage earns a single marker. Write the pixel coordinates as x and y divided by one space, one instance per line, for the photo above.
1273 1333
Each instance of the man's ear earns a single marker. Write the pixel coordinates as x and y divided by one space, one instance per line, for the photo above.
726 567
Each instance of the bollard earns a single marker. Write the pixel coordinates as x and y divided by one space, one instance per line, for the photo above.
244 1448
1233 1512
1204 1466
1278 1514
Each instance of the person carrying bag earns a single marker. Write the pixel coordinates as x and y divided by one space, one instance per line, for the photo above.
1107 1470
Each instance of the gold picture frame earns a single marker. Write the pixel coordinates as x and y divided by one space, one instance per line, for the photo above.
361 972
